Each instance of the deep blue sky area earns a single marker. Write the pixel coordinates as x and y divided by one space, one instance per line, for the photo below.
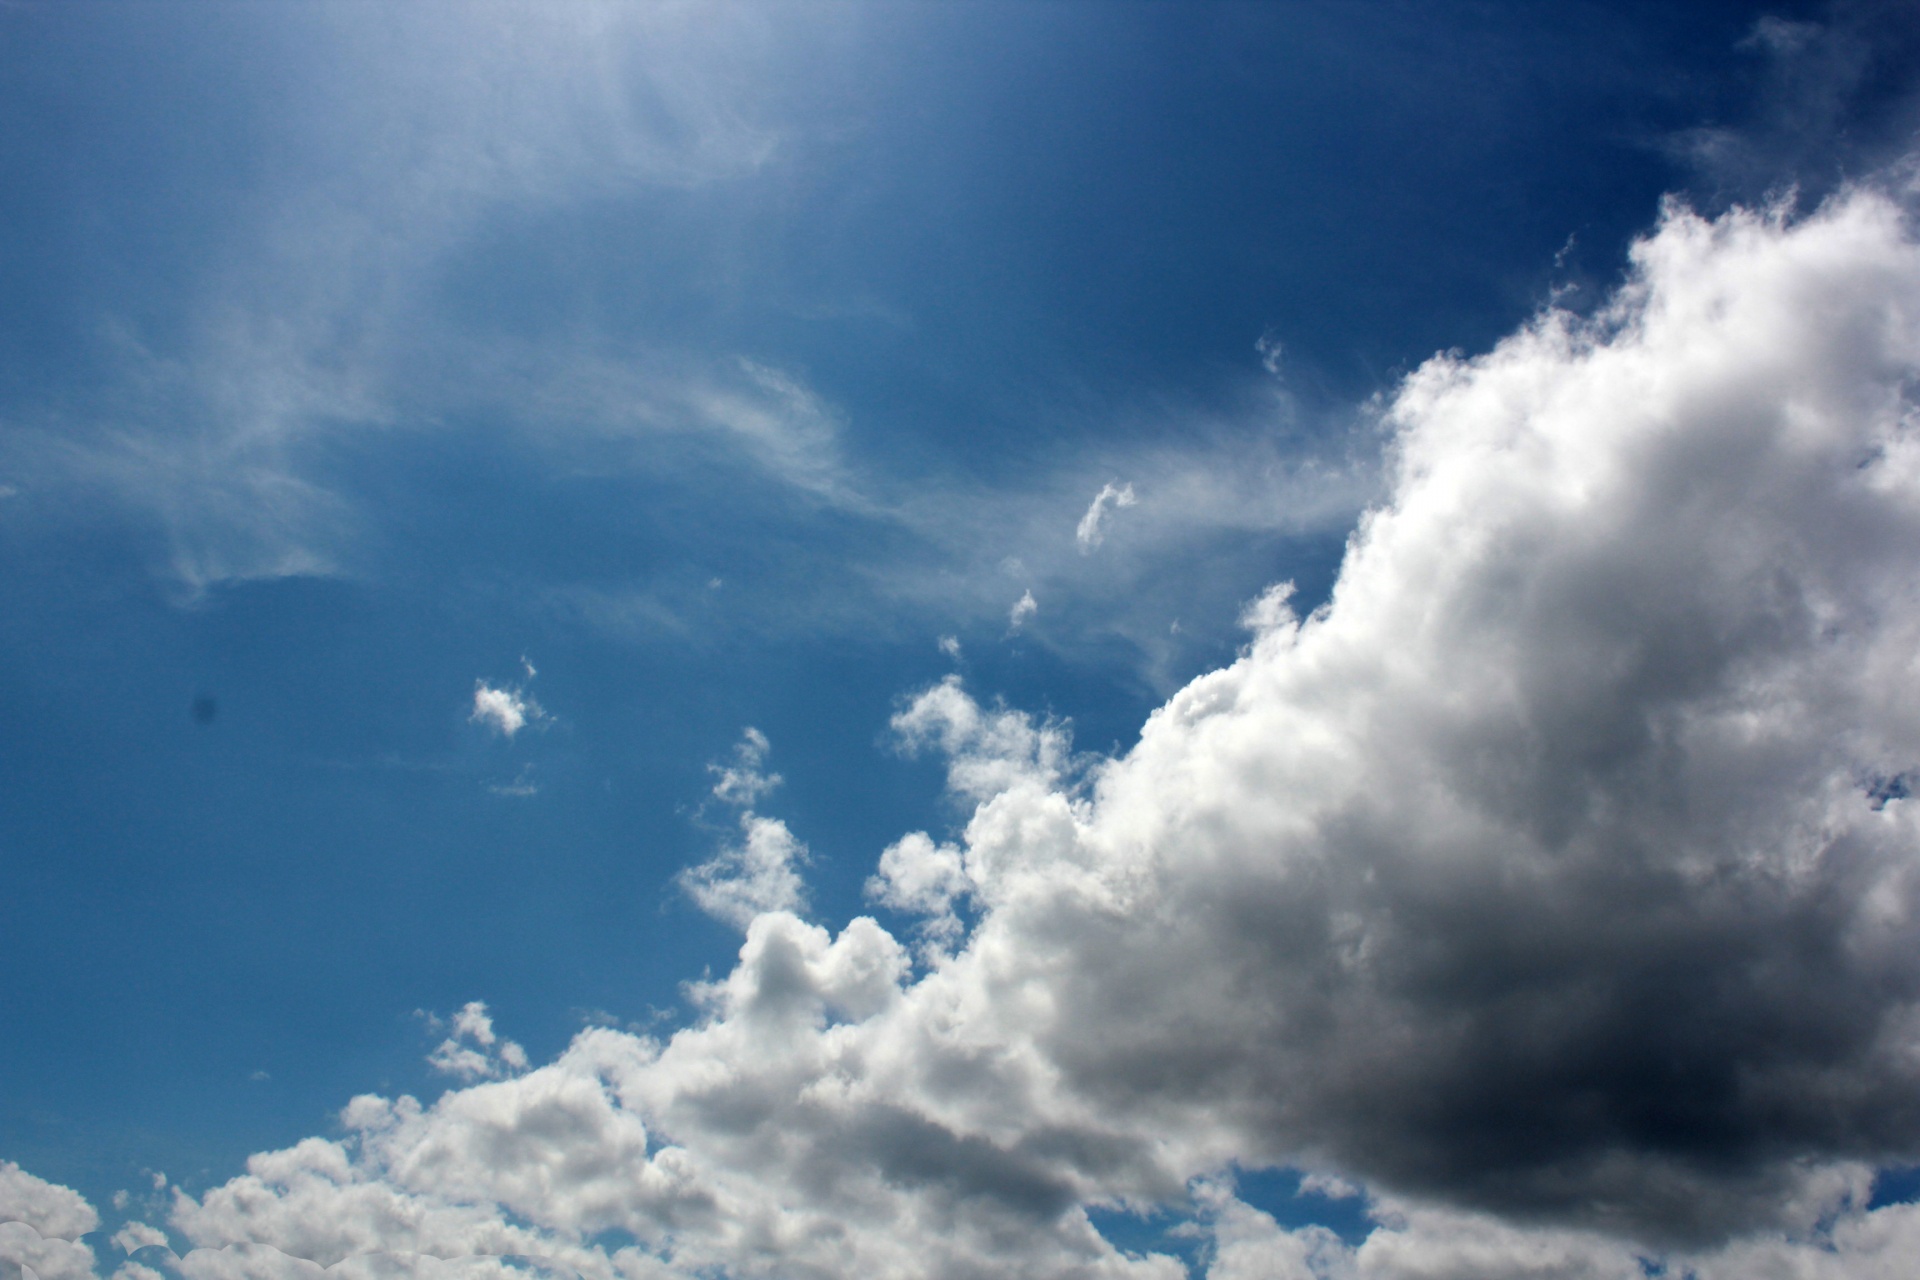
717 364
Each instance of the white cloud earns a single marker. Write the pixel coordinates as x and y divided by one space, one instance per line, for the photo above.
131 1270
1089 533
520 788
472 1050
1272 353
659 410
1325 1184
51 1210
1271 610
1547 885
1412 1242
751 876
757 873
1408 1244
989 752
40 1227
743 782
1560 800
138 1235
505 711
1022 612
922 878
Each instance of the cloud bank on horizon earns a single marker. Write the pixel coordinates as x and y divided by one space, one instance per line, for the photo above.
1555 883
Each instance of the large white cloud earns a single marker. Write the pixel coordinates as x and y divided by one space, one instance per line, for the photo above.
1556 881
1551 867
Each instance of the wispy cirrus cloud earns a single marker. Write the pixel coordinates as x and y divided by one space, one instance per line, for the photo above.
1088 533
316 317
319 348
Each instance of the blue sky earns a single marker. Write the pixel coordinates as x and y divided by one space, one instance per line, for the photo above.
660 371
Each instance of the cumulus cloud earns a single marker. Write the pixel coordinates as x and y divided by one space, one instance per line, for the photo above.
506 711
41 1225
1022 612
757 872
1090 533
1540 871
925 879
472 1050
744 781
49 1209
1550 885
138 1235
752 875
1416 1242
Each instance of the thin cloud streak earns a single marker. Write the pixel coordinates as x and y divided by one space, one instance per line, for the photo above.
1089 534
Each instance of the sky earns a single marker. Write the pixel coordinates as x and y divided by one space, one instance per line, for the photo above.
1045 639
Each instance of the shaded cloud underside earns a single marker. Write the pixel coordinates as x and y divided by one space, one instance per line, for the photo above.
1555 881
